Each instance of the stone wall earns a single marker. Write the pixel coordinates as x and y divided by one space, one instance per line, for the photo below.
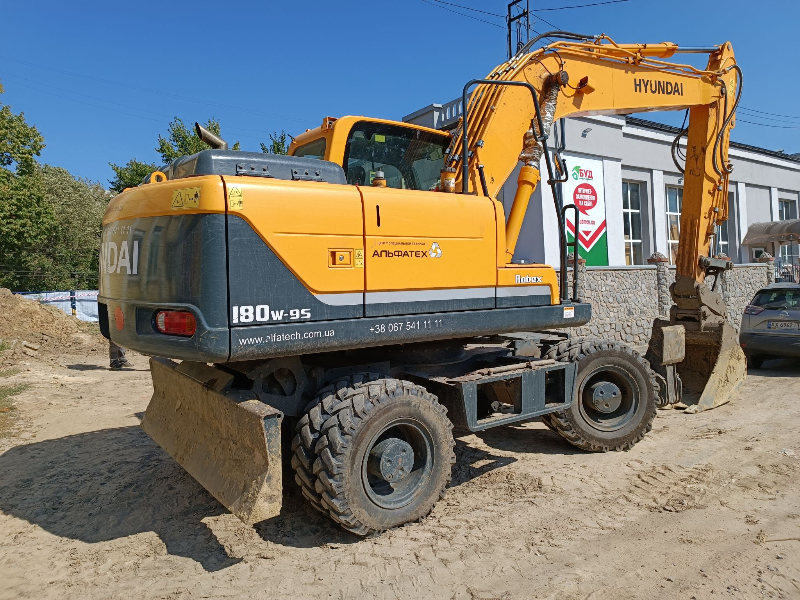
625 300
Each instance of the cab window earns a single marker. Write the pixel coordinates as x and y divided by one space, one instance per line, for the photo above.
409 158
315 149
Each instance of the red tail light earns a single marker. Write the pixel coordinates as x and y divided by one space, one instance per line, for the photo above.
753 310
176 322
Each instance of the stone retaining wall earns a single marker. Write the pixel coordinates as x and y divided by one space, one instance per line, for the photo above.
625 300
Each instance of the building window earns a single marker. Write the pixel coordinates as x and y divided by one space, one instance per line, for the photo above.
632 219
757 252
674 204
787 209
721 240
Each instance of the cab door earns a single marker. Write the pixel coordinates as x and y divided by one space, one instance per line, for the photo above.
427 252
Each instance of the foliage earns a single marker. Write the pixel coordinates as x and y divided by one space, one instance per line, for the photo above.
71 252
26 219
129 175
277 144
49 221
182 141
20 143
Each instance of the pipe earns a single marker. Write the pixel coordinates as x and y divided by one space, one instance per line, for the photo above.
209 138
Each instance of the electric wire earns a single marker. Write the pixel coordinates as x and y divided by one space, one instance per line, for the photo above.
154 91
768 113
241 132
470 8
438 5
768 125
578 5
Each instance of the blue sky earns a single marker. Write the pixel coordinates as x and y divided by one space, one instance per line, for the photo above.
101 80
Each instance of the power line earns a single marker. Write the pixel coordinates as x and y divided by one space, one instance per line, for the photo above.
98 99
761 112
437 5
153 91
578 5
767 125
470 8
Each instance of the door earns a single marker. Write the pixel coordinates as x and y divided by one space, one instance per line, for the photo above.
428 252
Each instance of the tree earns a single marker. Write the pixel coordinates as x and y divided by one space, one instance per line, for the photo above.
277 144
20 143
130 175
72 249
26 219
182 141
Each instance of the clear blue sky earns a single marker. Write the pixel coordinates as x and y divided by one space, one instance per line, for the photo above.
101 80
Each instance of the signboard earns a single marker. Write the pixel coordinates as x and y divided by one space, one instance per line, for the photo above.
584 188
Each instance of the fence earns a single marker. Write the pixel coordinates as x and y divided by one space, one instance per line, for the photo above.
787 271
78 303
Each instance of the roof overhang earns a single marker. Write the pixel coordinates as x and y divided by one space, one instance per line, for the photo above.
782 232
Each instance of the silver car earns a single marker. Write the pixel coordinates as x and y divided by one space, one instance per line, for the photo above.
771 324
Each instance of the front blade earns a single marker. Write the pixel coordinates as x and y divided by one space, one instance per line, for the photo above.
227 440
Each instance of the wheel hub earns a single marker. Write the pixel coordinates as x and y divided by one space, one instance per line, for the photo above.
606 397
391 460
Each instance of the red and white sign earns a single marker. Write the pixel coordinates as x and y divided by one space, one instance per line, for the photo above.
585 198
584 189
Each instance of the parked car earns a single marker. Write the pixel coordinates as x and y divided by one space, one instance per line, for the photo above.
771 324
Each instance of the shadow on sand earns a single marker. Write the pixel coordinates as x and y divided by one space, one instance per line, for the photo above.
113 483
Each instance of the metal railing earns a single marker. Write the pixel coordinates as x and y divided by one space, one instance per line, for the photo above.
787 271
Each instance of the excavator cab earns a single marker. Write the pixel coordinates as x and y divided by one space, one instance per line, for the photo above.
410 157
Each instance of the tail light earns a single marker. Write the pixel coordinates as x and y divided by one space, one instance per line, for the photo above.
176 322
753 310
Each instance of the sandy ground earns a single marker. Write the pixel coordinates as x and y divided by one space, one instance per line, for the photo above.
707 506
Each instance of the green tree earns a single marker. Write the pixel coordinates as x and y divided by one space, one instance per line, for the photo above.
69 256
278 144
26 218
182 141
130 175
179 141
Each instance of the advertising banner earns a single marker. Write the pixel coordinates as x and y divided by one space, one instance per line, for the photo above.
584 188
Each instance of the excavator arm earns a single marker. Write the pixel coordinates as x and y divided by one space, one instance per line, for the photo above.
509 115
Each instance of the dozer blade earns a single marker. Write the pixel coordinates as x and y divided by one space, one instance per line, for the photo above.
714 368
226 439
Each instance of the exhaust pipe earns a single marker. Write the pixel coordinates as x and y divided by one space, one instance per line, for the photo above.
209 138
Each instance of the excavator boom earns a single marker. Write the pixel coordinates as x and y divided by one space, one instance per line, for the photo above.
523 97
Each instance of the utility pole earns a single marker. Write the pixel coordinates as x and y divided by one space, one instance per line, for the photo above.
522 20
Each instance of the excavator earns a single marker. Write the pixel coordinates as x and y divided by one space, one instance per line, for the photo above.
338 311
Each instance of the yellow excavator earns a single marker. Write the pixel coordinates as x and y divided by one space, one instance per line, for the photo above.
349 304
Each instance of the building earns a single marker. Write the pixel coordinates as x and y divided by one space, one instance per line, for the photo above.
621 169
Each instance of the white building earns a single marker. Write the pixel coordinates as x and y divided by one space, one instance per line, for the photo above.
632 167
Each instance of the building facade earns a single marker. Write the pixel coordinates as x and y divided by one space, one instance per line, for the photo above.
630 191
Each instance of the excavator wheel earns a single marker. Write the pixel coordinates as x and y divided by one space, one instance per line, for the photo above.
373 453
616 396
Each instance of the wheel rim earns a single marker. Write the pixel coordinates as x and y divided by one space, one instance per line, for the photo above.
609 397
398 463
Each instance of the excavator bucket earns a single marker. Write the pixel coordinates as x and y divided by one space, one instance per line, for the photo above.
714 368
226 439
709 363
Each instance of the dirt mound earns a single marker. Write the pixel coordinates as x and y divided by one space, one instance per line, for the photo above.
28 328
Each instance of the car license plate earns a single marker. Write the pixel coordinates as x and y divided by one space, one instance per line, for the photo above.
781 325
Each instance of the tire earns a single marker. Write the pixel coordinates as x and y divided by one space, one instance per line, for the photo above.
590 423
352 431
755 361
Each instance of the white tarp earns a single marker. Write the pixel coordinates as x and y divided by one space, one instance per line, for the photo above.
85 302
